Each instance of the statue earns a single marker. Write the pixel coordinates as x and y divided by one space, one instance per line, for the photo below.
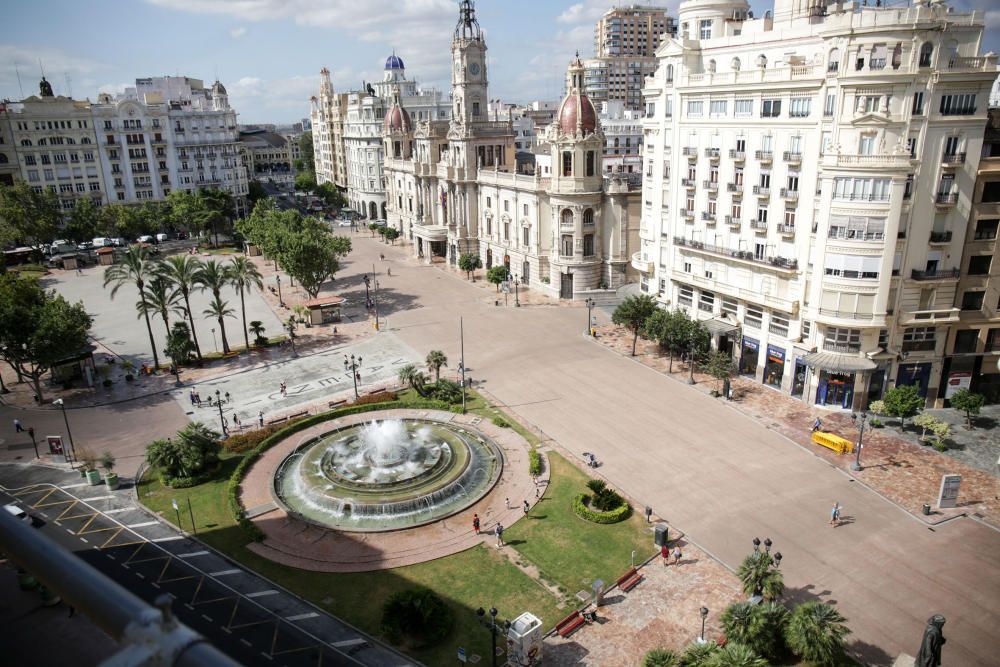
930 646
45 88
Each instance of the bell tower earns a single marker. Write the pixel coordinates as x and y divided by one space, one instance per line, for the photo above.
468 67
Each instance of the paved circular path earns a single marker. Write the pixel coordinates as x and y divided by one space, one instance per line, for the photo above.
296 543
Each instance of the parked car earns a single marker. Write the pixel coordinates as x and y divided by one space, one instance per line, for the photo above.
162 237
344 223
101 241
181 236
145 238
86 245
118 242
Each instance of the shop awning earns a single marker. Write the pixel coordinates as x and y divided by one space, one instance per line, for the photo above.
431 232
718 327
838 363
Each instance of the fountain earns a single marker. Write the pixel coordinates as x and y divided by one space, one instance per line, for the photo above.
386 474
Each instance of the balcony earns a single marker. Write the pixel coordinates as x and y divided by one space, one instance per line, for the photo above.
735 188
711 186
845 315
712 153
791 195
734 222
738 156
940 237
764 156
685 213
640 264
940 274
952 159
708 217
689 183
843 348
929 317
869 161
792 157
758 225
744 255
762 190
691 152
786 230
946 198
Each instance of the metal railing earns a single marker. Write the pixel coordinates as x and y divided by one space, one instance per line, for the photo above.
746 255
846 348
953 158
764 156
762 190
712 153
789 194
739 156
792 156
710 185
940 237
736 188
688 182
708 217
690 151
934 275
946 198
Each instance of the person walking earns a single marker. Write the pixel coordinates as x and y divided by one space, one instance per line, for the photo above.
665 555
236 421
506 501
283 389
526 507
475 523
835 514
677 555
18 428
499 533
260 419
191 393
817 425
388 271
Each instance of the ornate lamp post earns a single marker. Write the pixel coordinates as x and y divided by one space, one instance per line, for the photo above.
491 624
517 301
353 366
590 306
704 615
860 421
691 364
290 326
222 420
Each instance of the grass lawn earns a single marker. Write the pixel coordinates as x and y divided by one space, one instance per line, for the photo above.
568 550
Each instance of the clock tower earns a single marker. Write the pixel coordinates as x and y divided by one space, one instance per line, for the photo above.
468 68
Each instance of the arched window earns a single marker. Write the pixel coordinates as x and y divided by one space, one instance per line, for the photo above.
588 216
670 73
833 63
567 163
42 142
711 66
70 140
25 142
762 61
616 142
566 218
3 159
85 140
897 55
735 64
926 53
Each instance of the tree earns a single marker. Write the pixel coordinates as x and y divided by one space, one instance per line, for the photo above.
312 257
391 234
734 654
219 310
416 617
668 329
120 221
194 449
38 328
179 345
305 182
136 268
27 216
243 275
497 275
182 272
760 576
82 222
816 633
902 402
161 298
256 192
760 627
435 360
469 262
633 313
306 150
413 376
967 402
257 329
330 194
698 655
659 657
720 366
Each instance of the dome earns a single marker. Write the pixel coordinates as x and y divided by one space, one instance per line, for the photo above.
577 109
218 88
397 120
394 62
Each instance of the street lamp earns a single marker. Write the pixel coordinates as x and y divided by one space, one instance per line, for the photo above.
859 421
376 305
281 302
461 363
31 434
590 306
214 341
353 366
222 420
368 295
69 433
517 301
492 625
704 615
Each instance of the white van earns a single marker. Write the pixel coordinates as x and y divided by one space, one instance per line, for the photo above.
17 512
162 237
101 241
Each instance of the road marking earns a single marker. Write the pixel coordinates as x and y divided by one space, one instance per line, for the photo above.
155 585
190 555
140 575
260 594
69 531
225 629
84 539
243 641
43 514
168 539
74 486
223 573
349 642
207 617
189 606
120 509
266 655
88 500
302 617
143 524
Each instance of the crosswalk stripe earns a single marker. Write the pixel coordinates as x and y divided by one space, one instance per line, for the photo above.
171 538
192 554
143 524
260 594
223 573
302 617
349 642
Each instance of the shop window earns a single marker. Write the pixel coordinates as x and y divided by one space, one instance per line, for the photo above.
965 341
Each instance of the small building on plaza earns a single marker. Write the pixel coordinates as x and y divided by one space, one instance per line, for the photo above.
324 309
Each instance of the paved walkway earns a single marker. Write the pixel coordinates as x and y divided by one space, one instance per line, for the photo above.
296 543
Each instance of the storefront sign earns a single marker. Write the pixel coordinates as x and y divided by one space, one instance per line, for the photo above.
957 380
775 354
751 344
948 497
55 445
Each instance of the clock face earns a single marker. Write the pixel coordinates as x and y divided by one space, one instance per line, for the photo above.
474 69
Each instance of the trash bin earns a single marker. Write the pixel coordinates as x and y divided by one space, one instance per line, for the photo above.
927 509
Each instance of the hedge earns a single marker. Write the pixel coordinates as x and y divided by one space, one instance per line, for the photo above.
233 487
534 463
582 510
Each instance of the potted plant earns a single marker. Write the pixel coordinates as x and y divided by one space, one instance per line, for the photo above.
110 476
127 366
89 462
105 372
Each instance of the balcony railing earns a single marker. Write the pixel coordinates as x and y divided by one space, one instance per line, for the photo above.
688 182
685 213
940 237
710 185
871 196
786 229
790 156
845 314
735 222
845 348
940 274
736 188
870 160
764 156
762 191
856 235
739 156
946 198
690 151
708 216
789 194
951 159
712 153
758 225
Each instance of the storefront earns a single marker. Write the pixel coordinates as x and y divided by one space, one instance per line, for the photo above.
799 380
749 354
774 366
724 334
838 377
835 390
917 375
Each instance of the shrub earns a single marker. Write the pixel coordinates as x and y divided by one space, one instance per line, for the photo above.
816 633
416 618
877 407
501 422
195 448
902 402
761 627
380 397
604 498
967 402
446 390
535 463
582 509
659 657
698 655
734 654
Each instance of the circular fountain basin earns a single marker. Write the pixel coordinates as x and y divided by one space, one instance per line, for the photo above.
386 475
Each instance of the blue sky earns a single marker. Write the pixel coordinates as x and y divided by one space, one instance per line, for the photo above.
268 53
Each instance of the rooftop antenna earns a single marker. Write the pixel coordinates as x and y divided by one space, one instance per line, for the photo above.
18 73
69 85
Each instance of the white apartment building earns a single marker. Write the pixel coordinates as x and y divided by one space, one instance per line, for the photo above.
623 133
364 154
808 181
327 114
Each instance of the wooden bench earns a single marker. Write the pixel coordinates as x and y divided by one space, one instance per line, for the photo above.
376 391
568 625
304 413
629 580
337 404
279 420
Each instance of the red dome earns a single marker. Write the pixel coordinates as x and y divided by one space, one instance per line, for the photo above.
577 109
397 120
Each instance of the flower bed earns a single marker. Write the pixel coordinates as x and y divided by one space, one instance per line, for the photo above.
581 506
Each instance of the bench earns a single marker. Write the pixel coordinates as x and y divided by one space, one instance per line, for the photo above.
832 441
279 420
629 580
337 404
304 413
568 625
373 392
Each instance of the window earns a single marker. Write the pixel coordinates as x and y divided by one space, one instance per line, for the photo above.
687 267
29 160
918 103
926 51
754 317
489 202
833 64
526 236
567 218
506 230
865 189
706 301
973 300
840 339
958 105
705 29
588 245
798 107
588 217
806 328
762 214
695 108
685 295
770 108
590 163
567 161
475 108
779 324
852 266
966 341
986 229
728 307
566 247
830 105
789 218
991 192
993 340
917 339
525 210
744 107
717 108
737 211
866 146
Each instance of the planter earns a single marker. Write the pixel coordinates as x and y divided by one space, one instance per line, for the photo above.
112 481
93 477
129 377
107 383
83 473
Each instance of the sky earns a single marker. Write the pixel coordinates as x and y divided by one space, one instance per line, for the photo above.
268 53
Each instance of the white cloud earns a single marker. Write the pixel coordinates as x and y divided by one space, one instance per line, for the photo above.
58 64
258 100
236 33
114 88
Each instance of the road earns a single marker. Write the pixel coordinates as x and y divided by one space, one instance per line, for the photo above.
242 614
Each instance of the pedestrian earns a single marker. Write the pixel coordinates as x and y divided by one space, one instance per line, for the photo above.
475 523
17 426
817 424
388 271
665 555
499 532
536 492
197 398
677 555
506 501
192 396
228 397
284 389
835 514
525 506
236 420
381 256
260 418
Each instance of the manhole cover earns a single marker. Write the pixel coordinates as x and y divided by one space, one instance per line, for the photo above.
583 595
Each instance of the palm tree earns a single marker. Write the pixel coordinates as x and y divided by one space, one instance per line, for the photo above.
220 310
182 272
760 576
816 632
243 275
757 626
659 657
413 376
435 360
161 298
698 655
257 329
137 268
734 654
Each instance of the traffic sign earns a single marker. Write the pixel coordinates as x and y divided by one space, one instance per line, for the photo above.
461 654
174 503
